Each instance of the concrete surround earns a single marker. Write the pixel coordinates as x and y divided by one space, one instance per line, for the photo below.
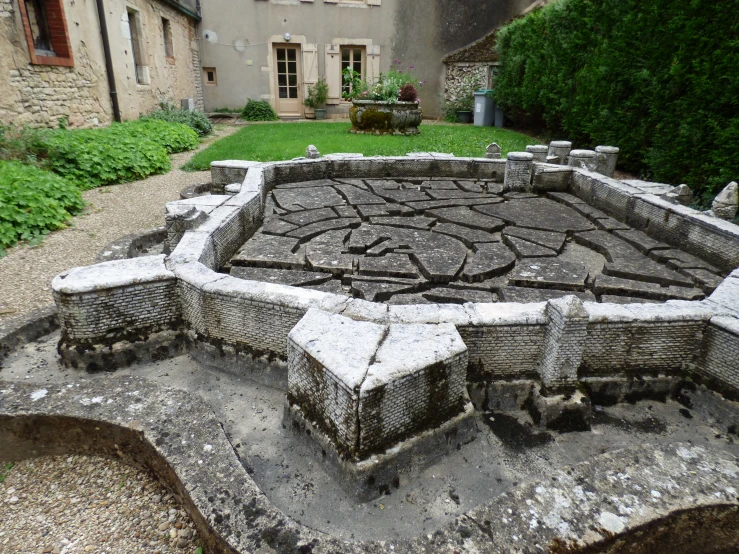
557 343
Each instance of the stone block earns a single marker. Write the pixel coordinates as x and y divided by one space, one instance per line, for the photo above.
561 412
519 166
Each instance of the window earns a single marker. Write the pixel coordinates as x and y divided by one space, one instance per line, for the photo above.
167 34
351 57
287 72
142 70
210 75
46 33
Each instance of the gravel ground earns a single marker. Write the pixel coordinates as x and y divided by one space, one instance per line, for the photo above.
112 212
76 504
83 504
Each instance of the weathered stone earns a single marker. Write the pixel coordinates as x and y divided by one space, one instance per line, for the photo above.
314 229
725 205
549 273
681 194
436 184
608 284
346 211
402 195
527 249
356 196
417 222
389 265
526 294
367 211
646 270
309 216
270 251
471 186
295 200
640 240
445 194
279 276
552 240
538 213
467 218
451 202
465 234
443 295
489 260
379 291
277 226
492 151
312 153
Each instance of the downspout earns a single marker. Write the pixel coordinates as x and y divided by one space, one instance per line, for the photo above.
108 61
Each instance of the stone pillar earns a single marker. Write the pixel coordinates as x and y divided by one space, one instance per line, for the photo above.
539 152
560 149
178 220
557 404
492 152
518 171
584 159
607 158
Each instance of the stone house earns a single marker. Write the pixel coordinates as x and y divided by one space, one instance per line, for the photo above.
274 49
92 62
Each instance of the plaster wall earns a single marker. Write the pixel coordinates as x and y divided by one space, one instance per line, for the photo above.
415 32
40 95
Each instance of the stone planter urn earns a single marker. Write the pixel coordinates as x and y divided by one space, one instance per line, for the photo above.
385 118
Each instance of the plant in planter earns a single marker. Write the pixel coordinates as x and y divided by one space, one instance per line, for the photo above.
388 106
316 98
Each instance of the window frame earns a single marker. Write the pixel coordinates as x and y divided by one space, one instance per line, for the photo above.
138 51
363 62
168 38
58 35
206 82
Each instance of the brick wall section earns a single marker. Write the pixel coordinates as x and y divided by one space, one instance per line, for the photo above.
503 351
709 238
412 404
721 353
564 342
89 317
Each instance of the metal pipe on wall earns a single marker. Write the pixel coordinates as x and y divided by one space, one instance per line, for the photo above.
108 61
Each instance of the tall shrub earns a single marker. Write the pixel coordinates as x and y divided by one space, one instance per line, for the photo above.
657 78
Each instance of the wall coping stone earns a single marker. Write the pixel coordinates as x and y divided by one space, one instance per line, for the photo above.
113 274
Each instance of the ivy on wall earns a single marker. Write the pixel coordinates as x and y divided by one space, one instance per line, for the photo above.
658 78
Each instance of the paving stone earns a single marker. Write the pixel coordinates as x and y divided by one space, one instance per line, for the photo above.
432 204
525 295
444 295
377 185
538 213
465 234
403 195
493 285
447 194
307 198
705 279
609 285
608 244
406 299
439 257
489 260
359 183
315 229
494 187
325 253
519 195
356 196
439 185
527 249
565 198
391 265
549 273
378 291
277 226
640 240
306 184
548 239
611 224
333 286
270 251
612 299
310 216
646 270
589 211
471 186
346 211
416 222
279 276
467 218
677 259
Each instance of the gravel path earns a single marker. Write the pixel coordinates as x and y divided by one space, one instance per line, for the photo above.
112 212
67 505
77 504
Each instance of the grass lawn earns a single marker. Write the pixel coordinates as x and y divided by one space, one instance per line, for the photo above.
284 141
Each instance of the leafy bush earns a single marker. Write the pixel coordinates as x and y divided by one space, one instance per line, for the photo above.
197 121
21 144
258 110
115 154
33 202
408 93
655 77
387 88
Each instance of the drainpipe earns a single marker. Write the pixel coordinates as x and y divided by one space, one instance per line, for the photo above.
108 61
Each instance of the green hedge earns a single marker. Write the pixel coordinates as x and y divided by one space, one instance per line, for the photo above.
118 153
33 202
258 110
197 121
658 78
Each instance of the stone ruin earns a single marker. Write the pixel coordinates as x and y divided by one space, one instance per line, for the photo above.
401 291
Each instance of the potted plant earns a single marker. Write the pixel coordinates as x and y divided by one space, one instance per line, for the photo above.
464 101
388 106
316 98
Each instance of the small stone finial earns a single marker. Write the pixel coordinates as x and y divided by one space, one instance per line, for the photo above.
607 159
492 152
312 152
539 151
585 159
560 149
680 194
725 205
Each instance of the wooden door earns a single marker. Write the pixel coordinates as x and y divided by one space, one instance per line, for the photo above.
289 78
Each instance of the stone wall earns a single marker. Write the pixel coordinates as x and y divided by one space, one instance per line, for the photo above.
42 95
457 72
722 352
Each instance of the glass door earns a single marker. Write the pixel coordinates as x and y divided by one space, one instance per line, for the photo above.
288 80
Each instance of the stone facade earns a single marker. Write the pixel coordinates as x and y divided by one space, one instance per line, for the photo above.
44 93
